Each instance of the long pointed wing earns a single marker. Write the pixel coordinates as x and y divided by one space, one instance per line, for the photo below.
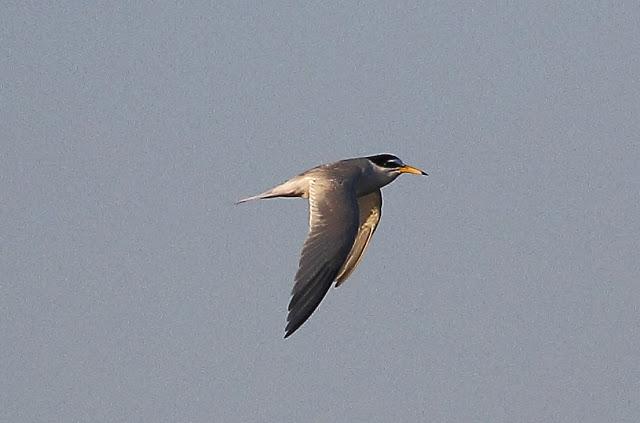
333 225
370 207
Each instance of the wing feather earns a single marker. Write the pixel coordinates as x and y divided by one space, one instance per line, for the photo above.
333 225
370 211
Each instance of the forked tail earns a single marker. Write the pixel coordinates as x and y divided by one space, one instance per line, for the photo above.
295 187
266 194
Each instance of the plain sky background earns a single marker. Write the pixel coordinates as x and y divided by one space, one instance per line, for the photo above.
505 287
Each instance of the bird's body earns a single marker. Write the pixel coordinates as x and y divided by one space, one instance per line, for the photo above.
345 205
359 172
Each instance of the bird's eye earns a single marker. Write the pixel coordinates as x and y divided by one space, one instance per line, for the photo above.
392 164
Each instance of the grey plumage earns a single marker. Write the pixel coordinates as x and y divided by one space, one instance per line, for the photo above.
370 211
345 205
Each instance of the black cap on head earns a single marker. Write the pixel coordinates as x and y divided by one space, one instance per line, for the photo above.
386 160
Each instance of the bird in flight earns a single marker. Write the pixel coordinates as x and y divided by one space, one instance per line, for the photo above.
345 205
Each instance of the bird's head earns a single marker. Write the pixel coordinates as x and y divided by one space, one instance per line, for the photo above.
393 166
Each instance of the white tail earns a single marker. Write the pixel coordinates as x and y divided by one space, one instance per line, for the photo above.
255 197
294 187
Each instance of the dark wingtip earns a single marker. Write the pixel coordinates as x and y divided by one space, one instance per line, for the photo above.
291 328
289 331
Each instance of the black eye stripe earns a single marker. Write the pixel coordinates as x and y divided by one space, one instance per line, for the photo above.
388 161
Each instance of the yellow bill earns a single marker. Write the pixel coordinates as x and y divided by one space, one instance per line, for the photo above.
413 170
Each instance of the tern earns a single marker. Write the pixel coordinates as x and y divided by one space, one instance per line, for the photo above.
345 205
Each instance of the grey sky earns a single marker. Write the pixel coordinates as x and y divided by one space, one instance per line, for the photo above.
503 288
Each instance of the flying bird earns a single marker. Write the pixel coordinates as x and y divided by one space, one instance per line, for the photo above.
345 205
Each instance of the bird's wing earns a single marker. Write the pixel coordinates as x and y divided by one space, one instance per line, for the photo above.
370 207
333 225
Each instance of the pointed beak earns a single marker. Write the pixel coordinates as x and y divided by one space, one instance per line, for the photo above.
413 170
